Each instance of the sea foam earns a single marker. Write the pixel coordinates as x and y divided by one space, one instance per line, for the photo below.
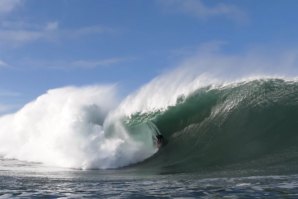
68 127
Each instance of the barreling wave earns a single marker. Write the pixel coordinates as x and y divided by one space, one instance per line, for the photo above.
244 125
208 126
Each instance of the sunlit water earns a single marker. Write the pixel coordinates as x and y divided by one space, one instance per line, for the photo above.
30 180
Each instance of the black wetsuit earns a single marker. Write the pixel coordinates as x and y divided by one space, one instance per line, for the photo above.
160 139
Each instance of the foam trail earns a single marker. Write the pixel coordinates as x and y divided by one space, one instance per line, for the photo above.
66 127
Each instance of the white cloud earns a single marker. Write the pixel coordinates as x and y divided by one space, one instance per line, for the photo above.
256 61
8 95
7 108
3 108
200 10
4 93
74 64
21 25
3 64
96 63
14 34
7 6
52 26
90 30
18 37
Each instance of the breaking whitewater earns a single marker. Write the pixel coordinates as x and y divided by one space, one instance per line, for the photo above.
248 125
223 139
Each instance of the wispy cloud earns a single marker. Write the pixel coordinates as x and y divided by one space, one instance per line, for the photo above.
3 64
19 33
18 37
7 6
7 108
199 9
89 30
75 64
97 63
7 96
5 93
256 61
14 34
3 108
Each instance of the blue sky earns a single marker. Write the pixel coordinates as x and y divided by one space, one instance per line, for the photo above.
54 43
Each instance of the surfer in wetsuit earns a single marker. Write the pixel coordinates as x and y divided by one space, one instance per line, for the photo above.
160 140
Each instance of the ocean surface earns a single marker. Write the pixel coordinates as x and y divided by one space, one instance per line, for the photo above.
24 180
223 140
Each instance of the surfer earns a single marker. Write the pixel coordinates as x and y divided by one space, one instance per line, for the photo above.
160 140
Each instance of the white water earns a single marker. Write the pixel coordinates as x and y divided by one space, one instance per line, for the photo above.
67 127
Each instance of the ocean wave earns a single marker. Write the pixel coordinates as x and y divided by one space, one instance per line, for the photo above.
207 125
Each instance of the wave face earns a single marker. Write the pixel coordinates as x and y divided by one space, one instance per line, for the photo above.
208 126
245 125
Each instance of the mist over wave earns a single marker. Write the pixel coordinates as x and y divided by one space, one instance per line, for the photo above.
66 127
205 115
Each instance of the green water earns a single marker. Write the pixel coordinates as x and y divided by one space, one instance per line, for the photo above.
249 127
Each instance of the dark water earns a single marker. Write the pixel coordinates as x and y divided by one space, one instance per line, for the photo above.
24 180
